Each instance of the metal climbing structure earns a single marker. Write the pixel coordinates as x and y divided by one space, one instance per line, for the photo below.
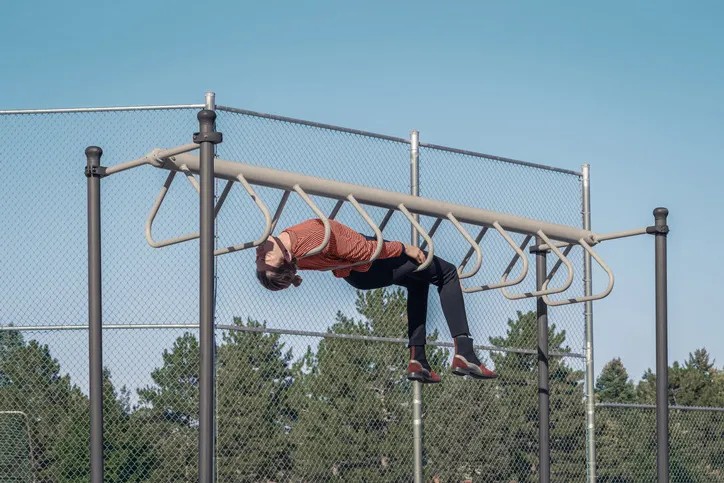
202 168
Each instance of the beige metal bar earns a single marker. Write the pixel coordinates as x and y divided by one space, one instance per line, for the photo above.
154 158
375 228
267 220
586 298
473 244
519 254
152 217
423 234
320 215
387 199
539 293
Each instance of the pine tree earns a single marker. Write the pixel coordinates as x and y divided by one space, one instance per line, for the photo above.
169 410
613 385
254 417
518 390
353 401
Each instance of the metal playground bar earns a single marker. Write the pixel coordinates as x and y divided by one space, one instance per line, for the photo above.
548 238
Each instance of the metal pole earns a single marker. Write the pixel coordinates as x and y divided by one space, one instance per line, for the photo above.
416 385
588 314
660 230
95 344
544 450
207 137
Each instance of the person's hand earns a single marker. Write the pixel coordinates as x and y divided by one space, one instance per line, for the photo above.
415 253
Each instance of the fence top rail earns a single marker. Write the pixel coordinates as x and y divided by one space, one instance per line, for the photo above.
475 154
330 127
100 109
653 406
286 180
292 120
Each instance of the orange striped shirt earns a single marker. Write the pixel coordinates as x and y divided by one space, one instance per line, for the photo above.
345 247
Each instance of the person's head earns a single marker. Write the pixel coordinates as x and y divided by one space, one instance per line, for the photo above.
276 269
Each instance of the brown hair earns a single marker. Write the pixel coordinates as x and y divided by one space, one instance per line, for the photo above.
280 277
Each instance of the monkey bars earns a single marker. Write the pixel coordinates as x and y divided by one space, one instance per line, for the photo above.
556 238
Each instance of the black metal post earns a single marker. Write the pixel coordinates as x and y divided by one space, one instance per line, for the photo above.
206 138
544 449
93 172
660 231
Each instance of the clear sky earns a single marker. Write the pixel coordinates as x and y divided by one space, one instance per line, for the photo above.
636 89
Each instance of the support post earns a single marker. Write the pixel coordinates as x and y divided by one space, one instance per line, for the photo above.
93 172
660 230
207 137
588 314
417 428
544 450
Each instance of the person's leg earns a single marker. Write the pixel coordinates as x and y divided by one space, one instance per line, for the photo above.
381 274
444 276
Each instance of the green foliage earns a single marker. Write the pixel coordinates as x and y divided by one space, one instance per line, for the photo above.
353 401
254 415
517 388
613 385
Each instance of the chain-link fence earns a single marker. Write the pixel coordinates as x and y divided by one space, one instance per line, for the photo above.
626 443
310 381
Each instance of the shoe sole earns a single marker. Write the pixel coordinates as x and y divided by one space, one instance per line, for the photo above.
459 371
420 377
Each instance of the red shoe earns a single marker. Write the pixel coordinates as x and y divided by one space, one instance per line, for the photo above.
415 372
461 367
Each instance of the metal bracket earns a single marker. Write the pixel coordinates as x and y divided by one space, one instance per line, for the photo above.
95 171
210 137
657 230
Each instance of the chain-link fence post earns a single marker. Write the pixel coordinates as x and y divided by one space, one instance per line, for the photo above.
588 314
416 385
95 343
207 137
544 449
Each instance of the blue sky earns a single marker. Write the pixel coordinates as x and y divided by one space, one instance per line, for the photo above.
633 88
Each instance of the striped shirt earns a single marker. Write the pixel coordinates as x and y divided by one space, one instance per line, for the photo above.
345 247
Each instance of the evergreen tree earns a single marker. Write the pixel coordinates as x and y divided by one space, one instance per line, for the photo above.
518 391
254 417
169 411
353 400
613 385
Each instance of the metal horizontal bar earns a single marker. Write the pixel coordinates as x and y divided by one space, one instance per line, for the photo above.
653 406
598 238
499 158
266 330
102 109
155 156
286 180
330 127
394 340
42 328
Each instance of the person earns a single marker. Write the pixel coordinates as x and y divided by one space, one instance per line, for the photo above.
279 258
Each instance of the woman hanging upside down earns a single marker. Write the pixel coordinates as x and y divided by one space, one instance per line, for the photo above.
279 258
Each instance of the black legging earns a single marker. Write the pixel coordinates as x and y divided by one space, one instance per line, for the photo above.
400 271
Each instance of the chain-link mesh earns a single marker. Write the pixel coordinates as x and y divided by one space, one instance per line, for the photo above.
310 381
626 443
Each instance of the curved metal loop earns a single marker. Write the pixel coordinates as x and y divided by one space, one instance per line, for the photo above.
259 203
587 298
519 254
375 228
154 212
320 215
190 176
431 232
539 293
473 244
423 233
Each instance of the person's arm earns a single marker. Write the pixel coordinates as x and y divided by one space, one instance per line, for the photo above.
353 247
